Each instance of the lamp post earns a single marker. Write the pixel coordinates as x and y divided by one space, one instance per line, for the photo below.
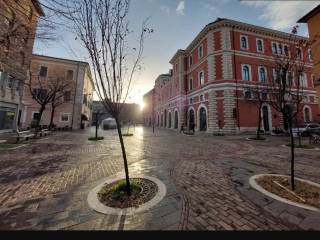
153 92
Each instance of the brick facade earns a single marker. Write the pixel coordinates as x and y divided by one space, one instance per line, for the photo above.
206 84
18 22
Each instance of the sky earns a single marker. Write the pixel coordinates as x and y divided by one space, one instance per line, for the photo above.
176 23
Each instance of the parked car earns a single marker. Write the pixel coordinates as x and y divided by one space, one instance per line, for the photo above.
306 129
109 123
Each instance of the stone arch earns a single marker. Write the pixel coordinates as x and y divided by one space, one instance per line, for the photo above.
169 119
266 117
307 114
191 117
176 119
202 118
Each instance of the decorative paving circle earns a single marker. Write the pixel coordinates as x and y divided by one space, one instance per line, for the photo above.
152 192
144 192
255 185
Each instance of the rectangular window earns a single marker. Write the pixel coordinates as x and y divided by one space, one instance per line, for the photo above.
264 96
67 96
70 75
200 51
190 84
201 98
7 116
43 71
247 94
191 100
201 78
10 82
35 116
274 48
64 117
190 61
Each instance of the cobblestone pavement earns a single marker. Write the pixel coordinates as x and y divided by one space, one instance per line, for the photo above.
44 184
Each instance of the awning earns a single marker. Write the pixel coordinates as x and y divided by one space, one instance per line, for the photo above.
84 117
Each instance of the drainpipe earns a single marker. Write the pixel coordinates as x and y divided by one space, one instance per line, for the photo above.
75 93
235 77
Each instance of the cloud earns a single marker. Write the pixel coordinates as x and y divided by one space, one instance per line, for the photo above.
282 15
165 9
180 8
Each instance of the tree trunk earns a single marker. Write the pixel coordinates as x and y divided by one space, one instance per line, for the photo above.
292 155
97 125
259 123
123 155
39 118
51 118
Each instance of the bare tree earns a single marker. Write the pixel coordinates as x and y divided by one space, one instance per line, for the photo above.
286 90
60 96
102 26
45 91
258 95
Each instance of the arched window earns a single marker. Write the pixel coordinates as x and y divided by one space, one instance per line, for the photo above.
244 43
262 74
246 73
259 45
307 114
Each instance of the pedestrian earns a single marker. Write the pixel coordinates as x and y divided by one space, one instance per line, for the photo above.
192 127
182 128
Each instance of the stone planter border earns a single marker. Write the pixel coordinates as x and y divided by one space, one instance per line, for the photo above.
306 149
256 186
95 204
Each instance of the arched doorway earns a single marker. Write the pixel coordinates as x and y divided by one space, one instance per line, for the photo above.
307 115
191 118
176 120
165 118
161 123
203 119
169 123
265 118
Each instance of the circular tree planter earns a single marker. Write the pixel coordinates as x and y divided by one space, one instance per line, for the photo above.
127 134
148 192
96 139
304 147
274 186
255 139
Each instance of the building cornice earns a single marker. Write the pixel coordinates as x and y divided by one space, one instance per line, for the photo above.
220 23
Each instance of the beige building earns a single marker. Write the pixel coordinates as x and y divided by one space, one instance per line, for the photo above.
18 22
76 110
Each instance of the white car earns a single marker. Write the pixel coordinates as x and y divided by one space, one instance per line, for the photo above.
109 123
306 129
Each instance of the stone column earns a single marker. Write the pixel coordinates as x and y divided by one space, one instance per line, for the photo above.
212 113
228 106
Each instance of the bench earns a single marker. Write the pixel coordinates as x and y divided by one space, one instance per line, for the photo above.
44 132
23 135
315 138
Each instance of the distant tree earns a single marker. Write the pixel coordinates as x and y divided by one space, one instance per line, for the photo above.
258 95
45 91
60 96
286 90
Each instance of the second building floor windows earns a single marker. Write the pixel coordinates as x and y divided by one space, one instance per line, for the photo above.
201 78
200 51
262 74
260 45
190 61
190 84
244 42
246 73
43 71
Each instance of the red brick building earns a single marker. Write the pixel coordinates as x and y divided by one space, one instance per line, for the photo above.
208 81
